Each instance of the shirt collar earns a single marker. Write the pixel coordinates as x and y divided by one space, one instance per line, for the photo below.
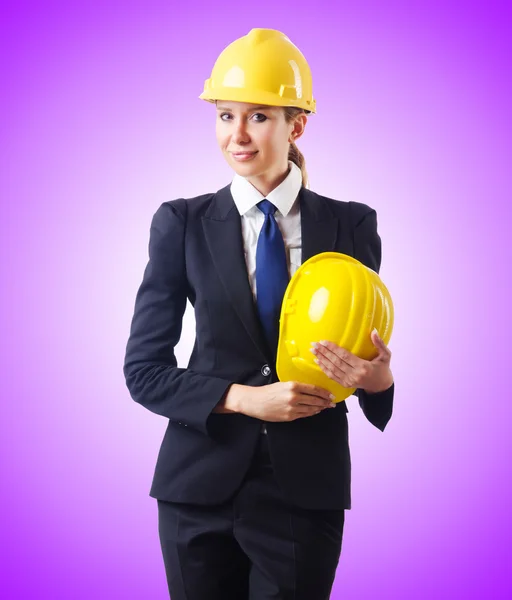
283 196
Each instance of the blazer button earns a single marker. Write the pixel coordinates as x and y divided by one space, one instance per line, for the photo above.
265 370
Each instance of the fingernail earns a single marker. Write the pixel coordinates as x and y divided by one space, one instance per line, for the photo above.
332 405
332 396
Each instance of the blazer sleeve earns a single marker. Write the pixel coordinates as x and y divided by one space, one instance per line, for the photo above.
150 367
377 407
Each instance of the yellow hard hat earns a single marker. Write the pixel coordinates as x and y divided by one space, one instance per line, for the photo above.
262 67
333 297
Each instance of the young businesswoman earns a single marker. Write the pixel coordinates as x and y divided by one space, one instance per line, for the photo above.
253 475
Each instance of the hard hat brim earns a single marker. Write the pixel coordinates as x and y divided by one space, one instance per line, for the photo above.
259 97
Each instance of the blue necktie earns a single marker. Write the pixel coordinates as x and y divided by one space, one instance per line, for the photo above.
271 274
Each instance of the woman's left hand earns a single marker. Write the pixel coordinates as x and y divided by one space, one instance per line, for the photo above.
349 370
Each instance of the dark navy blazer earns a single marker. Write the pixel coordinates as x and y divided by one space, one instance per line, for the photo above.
196 252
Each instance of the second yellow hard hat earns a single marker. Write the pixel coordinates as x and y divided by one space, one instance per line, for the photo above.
333 297
262 67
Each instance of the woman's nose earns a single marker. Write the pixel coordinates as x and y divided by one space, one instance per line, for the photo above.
240 133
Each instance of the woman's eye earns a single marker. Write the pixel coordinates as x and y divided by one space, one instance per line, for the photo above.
259 120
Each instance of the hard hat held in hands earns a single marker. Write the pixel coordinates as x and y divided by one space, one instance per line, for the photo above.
262 67
334 297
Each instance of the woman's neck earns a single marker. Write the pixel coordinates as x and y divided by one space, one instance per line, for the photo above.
266 183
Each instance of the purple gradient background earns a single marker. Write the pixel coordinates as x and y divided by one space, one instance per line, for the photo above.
100 124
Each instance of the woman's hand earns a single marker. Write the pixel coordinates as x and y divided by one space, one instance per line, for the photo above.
349 370
282 401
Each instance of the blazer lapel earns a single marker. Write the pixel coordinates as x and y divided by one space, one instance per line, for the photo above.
319 225
222 227
223 233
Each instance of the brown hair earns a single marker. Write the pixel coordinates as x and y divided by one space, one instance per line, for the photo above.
294 154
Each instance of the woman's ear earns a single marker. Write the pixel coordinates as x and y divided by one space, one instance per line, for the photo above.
298 126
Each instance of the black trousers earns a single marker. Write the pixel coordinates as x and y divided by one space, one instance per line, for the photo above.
255 546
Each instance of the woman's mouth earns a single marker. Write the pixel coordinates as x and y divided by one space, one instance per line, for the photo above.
243 156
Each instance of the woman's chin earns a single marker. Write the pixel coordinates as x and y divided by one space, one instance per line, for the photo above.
244 168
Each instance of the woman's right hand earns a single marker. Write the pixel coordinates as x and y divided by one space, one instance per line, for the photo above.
284 401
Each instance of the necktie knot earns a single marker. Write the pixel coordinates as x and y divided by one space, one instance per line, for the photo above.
266 207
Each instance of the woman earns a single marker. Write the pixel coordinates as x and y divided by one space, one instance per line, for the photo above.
253 475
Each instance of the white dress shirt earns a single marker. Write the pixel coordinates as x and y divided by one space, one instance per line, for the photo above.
287 215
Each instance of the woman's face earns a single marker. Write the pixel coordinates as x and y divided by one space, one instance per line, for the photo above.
260 132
